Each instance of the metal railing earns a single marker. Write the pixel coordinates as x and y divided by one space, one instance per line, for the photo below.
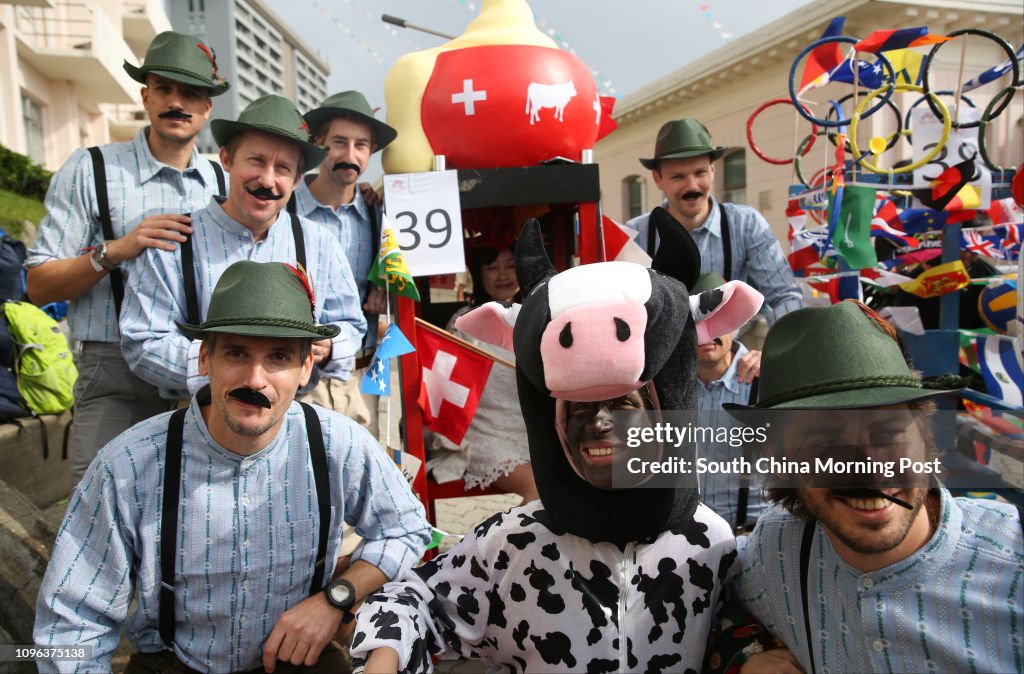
69 25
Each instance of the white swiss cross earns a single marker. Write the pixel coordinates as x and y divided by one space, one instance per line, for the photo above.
440 385
597 109
468 97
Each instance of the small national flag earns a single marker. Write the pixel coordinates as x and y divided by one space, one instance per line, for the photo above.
436 536
950 190
1005 211
993 73
377 380
852 227
389 265
807 246
906 65
887 224
619 244
408 463
453 377
939 280
869 75
823 59
920 220
883 277
1010 240
980 244
888 40
1001 369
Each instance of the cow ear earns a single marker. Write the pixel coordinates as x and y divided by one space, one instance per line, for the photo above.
677 254
491 323
532 263
724 309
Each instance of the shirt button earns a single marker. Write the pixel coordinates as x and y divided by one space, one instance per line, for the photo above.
241 619
246 542
878 645
868 583
245 500
245 584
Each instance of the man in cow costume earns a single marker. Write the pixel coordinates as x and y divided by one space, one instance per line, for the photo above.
591 577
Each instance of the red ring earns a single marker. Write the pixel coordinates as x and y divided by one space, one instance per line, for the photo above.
757 150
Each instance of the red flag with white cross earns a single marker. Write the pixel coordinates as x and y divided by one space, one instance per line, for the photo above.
452 380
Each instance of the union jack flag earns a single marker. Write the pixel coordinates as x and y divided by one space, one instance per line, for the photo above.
982 245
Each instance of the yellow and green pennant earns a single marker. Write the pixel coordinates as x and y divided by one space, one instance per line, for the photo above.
389 266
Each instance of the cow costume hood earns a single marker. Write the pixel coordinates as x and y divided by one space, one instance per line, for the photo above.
600 331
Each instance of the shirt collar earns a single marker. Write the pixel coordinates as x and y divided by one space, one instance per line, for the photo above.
196 427
150 167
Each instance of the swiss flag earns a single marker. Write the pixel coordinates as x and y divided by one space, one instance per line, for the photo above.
451 380
619 243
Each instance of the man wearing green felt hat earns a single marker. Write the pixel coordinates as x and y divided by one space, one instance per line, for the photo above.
105 207
734 239
876 567
227 516
266 151
345 126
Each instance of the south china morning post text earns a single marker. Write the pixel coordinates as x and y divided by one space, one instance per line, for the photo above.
798 449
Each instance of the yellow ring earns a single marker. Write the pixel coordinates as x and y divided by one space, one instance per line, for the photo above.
947 125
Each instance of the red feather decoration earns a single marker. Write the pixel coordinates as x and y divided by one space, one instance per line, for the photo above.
300 273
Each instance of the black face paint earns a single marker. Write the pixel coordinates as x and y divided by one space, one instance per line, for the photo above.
264 193
863 492
717 340
175 114
250 397
346 165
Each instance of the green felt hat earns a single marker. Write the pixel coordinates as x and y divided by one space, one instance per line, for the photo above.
351 102
182 58
274 115
709 280
836 357
681 139
260 299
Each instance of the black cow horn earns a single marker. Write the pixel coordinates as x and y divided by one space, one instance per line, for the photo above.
677 254
532 263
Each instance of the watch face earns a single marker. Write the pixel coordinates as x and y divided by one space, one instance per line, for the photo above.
340 593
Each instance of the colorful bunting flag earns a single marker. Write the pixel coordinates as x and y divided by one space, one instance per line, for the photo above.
823 59
377 380
993 73
888 40
976 242
453 377
1001 369
950 190
939 280
390 265
852 227
887 225
906 65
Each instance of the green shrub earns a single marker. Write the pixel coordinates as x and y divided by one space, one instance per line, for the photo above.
15 209
21 175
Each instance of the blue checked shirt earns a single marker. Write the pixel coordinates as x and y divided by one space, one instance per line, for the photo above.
953 606
138 186
720 491
247 536
352 227
756 254
156 350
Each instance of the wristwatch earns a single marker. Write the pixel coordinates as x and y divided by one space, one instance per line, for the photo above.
341 594
98 258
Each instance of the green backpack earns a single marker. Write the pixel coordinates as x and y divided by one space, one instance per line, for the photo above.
44 368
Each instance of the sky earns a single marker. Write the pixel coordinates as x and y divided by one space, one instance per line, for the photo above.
630 43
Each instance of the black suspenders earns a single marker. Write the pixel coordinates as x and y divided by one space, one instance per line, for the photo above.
167 544
99 174
743 496
726 242
188 263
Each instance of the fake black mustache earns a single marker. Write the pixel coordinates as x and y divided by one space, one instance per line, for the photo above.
250 397
693 195
345 165
864 492
717 340
175 114
264 193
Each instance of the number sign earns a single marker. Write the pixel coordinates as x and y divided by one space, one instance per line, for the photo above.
426 219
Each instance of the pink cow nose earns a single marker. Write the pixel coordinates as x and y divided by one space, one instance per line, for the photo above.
594 352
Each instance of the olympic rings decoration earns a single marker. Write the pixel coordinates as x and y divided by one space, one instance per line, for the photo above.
987 117
926 158
893 138
889 88
1003 44
757 150
946 92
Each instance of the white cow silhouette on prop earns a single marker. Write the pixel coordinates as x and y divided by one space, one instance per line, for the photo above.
540 96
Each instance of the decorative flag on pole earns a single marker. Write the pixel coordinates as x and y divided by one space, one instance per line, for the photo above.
887 225
851 233
906 65
1001 369
888 40
377 380
389 265
988 246
950 190
939 280
993 73
453 377
824 59
619 244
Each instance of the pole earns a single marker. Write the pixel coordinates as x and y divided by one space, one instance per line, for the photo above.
402 23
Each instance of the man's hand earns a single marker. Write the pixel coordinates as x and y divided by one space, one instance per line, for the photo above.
778 661
382 661
155 231
376 301
369 196
749 367
321 351
302 632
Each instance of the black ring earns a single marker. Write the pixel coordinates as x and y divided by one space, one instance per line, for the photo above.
842 122
985 118
889 144
906 122
1003 44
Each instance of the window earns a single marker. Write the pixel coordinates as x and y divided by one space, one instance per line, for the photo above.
633 196
735 182
32 117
